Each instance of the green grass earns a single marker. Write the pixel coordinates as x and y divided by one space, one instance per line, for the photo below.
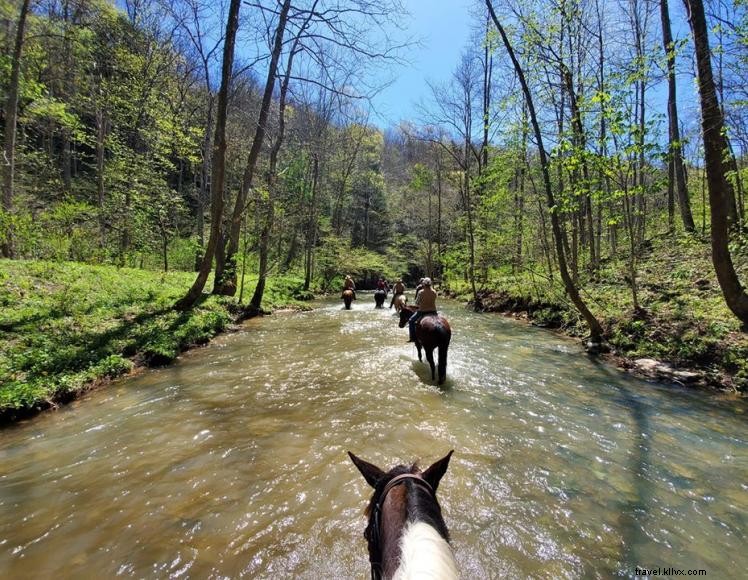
683 318
65 326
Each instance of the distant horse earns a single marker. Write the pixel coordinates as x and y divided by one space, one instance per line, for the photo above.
432 331
379 296
347 298
406 533
399 301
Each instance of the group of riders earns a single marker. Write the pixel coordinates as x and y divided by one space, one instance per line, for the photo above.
425 298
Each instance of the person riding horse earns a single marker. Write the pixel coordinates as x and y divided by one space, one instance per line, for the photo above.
397 289
380 294
426 303
349 284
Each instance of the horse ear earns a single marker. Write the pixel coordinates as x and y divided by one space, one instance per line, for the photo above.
434 474
372 474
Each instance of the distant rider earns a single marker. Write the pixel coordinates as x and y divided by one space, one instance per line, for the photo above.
349 284
426 303
397 289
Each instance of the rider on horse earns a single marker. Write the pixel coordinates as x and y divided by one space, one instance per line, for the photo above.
397 289
426 302
348 284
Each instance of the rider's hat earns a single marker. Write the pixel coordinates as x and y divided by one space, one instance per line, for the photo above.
427 281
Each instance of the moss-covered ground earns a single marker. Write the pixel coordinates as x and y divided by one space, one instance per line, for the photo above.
67 326
682 320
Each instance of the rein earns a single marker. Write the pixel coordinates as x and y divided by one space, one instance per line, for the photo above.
375 549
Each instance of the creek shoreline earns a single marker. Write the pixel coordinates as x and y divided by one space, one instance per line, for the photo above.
10 417
647 368
491 302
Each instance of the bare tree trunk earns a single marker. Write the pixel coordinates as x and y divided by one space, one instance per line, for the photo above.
487 72
715 149
204 190
101 131
439 208
272 178
311 232
11 120
586 223
596 330
225 282
676 149
218 161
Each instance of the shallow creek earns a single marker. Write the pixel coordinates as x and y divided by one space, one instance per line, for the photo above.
232 462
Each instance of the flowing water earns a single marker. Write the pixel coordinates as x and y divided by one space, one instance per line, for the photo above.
232 462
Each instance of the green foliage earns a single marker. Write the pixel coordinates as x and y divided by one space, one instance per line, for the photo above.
65 325
335 259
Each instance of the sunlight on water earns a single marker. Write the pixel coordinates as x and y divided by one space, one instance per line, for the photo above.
232 462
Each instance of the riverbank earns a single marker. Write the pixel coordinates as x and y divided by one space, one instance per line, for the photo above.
68 327
683 331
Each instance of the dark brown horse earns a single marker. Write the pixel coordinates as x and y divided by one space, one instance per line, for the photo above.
379 297
432 331
347 298
406 533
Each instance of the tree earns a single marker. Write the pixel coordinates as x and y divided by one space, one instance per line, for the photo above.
11 119
592 322
676 169
716 160
225 281
218 161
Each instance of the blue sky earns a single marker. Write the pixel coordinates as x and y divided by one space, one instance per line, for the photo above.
443 29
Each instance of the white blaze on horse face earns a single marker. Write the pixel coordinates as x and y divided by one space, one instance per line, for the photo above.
425 554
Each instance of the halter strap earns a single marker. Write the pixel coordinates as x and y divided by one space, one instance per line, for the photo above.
376 563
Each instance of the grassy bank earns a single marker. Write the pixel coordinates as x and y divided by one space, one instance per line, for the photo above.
683 320
67 326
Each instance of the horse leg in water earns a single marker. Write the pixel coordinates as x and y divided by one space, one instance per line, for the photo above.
430 358
418 348
443 362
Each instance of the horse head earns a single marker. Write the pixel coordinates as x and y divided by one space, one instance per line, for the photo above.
406 534
405 313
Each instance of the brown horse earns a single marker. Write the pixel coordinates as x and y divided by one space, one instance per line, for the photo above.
406 533
379 297
432 331
347 298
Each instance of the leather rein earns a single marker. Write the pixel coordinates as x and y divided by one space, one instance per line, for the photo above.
375 554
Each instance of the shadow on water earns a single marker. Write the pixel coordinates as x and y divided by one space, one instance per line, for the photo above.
634 512
423 372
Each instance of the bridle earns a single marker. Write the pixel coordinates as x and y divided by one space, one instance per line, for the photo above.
373 531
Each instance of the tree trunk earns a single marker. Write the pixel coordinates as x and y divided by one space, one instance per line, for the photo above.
311 231
676 150
218 161
101 130
225 282
596 330
204 190
272 178
715 150
11 120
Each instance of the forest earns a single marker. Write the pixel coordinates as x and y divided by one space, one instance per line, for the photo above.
584 165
